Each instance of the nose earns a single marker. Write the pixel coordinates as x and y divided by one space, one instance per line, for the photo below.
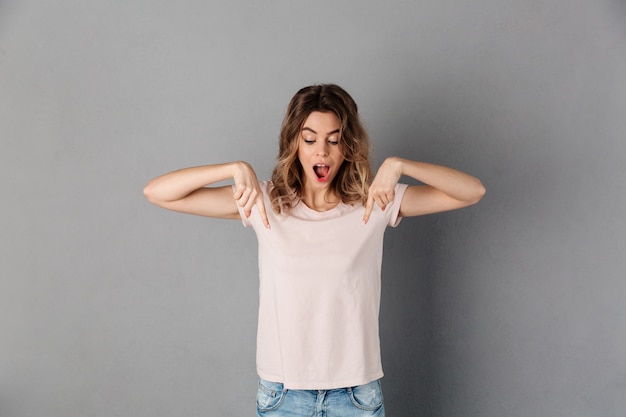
322 148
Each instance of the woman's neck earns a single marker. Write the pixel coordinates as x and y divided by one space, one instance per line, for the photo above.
322 199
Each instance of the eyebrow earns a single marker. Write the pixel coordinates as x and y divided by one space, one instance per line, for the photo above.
313 131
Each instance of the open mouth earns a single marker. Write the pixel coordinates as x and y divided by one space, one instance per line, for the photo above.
321 171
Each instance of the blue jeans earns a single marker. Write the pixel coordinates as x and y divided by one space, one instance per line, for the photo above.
273 400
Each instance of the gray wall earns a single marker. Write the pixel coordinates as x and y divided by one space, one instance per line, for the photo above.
112 307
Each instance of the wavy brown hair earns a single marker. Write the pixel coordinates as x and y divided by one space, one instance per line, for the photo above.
352 181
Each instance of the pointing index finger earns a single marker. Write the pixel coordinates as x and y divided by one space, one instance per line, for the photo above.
368 209
262 212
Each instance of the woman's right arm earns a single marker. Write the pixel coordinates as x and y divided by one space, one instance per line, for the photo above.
186 191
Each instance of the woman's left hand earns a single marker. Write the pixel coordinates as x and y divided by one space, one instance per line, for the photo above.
382 190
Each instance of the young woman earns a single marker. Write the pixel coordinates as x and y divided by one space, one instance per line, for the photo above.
319 224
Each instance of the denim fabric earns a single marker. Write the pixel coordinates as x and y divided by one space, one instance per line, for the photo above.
273 400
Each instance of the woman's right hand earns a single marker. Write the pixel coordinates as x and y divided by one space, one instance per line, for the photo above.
186 190
247 191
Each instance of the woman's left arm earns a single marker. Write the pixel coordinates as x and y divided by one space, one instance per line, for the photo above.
444 188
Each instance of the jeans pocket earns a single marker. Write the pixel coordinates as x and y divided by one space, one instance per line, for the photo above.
367 397
269 396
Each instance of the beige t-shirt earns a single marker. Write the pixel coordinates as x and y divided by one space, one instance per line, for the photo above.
319 294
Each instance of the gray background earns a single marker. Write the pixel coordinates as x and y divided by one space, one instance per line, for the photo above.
112 307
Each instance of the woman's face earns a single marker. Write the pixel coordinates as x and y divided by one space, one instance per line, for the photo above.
319 149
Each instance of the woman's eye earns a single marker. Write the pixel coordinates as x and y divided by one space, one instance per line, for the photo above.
309 141
333 142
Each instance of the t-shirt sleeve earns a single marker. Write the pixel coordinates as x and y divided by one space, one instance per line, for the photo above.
246 222
392 212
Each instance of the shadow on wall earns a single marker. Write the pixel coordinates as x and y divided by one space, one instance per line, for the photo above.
421 259
429 264
620 8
